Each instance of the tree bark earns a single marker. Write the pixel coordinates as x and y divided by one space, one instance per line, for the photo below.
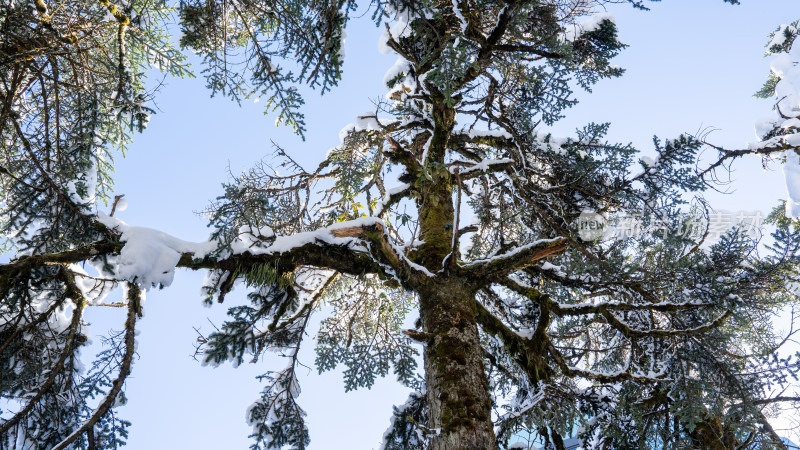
710 434
457 386
455 378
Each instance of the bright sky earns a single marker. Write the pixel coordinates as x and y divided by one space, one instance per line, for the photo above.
691 64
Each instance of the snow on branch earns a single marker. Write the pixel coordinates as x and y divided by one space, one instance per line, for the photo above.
134 310
635 332
588 26
779 133
575 309
500 265
150 257
486 165
493 138
604 377
391 197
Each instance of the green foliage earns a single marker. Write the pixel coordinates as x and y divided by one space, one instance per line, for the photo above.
363 332
276 417
591 53
455 60
263 275
243 45
354 162
37 359
407 430
248 331
111 431
61 131
544 95
781 40
616 335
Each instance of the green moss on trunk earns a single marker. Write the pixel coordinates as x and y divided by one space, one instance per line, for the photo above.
458 389
435 184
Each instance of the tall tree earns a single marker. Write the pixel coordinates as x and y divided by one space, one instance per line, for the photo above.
528 317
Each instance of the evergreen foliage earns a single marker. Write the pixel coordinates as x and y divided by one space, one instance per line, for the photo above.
526 322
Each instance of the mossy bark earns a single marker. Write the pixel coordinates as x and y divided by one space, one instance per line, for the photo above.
456 382
435 184
712 435
457 386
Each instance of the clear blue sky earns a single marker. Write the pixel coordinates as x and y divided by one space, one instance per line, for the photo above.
691 64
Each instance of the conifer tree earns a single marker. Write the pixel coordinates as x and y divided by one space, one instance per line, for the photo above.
527 318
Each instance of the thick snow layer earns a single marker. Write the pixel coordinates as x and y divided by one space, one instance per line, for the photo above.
787 91
94 291
647 161
488 133
401 66
783 125
149 256
425 149
592 24
367 121
780 35
341 46
461 20
400 29
791 170
555 144
283 244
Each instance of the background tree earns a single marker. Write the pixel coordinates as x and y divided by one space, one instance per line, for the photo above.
72 89
530 324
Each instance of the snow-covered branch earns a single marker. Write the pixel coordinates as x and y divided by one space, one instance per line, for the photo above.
499 266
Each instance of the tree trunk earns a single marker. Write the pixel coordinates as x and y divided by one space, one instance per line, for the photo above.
710 434
456 382
457 386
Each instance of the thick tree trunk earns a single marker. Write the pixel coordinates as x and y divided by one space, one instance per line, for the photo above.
456 382
710 434
457 386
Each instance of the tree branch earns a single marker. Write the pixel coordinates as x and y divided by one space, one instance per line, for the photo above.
59 365
594 308
527 353
498 267
134 310
632 332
